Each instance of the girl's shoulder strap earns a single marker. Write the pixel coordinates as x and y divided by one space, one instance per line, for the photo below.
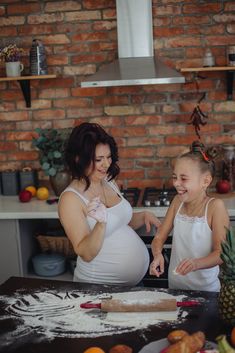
206 208
179 208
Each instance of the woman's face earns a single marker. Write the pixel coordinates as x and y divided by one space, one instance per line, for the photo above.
98 169
188 179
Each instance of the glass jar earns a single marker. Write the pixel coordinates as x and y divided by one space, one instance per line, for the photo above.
228 172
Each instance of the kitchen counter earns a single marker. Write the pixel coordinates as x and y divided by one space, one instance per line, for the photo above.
12 208
22 298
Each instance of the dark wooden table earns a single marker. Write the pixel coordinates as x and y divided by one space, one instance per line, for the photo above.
204 317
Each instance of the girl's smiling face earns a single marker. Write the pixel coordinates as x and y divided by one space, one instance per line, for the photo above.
189 180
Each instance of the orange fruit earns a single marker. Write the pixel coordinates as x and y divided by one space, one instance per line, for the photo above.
32 189
233 336
94 350
42 193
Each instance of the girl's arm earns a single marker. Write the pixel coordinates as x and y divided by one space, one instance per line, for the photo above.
219 222
72 214
157 265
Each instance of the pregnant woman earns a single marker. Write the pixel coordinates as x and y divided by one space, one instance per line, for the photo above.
97 219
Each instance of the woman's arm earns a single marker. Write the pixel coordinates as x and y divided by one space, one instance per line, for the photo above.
72 214
145 217
219 223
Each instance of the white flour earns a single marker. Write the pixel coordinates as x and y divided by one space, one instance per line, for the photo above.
51 314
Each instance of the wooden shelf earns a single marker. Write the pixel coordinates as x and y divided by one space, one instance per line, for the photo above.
24 82
211 68
229 72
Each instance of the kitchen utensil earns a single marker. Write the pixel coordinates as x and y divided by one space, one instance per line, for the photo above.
117 305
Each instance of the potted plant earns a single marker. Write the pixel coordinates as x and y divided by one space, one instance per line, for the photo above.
11 56
51 144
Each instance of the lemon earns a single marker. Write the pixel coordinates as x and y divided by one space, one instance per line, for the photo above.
42 193
32 189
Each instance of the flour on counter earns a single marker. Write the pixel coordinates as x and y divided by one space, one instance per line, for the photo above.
52 314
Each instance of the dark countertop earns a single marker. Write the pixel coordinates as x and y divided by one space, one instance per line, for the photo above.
204 317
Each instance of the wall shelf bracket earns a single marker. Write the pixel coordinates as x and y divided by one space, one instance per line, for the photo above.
25 88
230 75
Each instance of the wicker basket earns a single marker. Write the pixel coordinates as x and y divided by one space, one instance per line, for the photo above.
56 244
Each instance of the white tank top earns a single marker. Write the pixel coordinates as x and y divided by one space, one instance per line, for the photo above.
192 237
123 258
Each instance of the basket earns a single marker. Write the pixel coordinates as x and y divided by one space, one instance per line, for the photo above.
56 244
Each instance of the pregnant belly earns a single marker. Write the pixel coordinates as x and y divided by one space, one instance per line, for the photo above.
123 259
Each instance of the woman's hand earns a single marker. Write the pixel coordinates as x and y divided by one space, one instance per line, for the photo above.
150 219
157 266
186 266
97 210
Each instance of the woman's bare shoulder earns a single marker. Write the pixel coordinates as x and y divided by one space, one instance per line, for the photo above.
68 199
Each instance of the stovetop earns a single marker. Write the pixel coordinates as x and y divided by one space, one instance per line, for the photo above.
149 197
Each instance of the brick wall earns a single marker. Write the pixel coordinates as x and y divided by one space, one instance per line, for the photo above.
150 123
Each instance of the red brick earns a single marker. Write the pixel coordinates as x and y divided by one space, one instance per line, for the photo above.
13 116
132 174
49 114
22 156
98 4
136 152
62 6
88 92
19 135
202 8
23 9
128 131
8 146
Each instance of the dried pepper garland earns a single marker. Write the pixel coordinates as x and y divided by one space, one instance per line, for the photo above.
198 117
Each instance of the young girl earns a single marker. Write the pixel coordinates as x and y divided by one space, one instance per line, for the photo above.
199 225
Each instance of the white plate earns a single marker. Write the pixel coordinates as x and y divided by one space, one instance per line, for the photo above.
157 346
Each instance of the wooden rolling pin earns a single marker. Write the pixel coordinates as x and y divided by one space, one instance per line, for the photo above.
117 305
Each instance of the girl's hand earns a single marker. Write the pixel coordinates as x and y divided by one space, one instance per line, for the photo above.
157 266
150 219
186 266
97 210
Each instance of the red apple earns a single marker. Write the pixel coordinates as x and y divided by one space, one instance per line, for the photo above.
223 186
25 196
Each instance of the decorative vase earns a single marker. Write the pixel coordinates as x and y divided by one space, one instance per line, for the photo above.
14 68
60 181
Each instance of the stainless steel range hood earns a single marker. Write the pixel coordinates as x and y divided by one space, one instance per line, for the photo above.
136 64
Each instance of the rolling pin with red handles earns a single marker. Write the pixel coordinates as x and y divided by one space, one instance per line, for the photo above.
122 305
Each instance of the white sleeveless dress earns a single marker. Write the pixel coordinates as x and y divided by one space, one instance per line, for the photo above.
123 258
192 238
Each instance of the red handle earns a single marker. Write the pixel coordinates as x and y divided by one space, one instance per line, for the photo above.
188 303
90 305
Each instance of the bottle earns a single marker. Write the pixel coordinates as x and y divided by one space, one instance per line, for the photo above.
208 59
228 172
38 64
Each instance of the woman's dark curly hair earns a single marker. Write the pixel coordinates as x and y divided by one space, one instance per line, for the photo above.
80 151
199 153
